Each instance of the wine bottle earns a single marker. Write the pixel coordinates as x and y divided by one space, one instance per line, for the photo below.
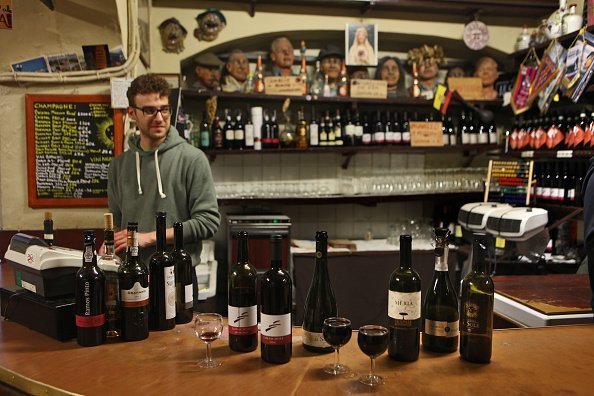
405 129
259 77
48 229
228 131
110 263
205 142
314 140
404 307
184 292
275 312
162 270
476 316
89 297
217 134
441 330
379 132
249 131
239 133
320 302
367 137
134 290
243 303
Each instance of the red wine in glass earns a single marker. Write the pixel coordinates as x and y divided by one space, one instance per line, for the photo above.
337 332
373 341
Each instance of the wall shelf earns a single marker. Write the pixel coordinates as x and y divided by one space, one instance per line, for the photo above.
560 154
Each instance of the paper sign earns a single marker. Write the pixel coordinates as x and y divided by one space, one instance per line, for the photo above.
6 14
470 88
426 134
370 89
283 85
119 89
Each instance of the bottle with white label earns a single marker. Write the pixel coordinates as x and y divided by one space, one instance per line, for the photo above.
441 329
404 307
249 131
184 288
320 302
110 263
243 303
275 311
134 290
162 270
314 134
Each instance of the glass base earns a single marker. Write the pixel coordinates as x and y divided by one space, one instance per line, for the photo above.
338 369
371 380
205 363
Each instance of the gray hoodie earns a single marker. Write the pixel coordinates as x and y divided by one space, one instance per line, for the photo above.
175 178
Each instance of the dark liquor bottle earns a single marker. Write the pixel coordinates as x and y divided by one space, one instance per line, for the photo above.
358 130
249 130
476 316
134 290
451 131
229 131
472 128
205 141
314 131
110 263
320 302
274 131
379 132
367 138
405 130
275 312
557 184
349 131
184 292
444 131
239 132
571 180
323 135
463 129
329 125
162 270
397 128
243 303
441 330
217 134
546 182
388 127
90 297
48 229
404 307
338 135
267 141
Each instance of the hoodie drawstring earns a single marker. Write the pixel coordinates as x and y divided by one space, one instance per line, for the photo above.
159 183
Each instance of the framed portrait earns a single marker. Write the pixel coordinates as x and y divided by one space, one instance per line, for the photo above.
144 32
360 44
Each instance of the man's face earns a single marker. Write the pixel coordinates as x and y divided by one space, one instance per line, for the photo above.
283 56
428 69
238 66
209 76
331 66
390 72
153 129
487 72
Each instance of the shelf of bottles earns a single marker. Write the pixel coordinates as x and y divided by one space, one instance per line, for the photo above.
559 183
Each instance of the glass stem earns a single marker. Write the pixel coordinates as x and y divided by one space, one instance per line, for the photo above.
336 358
208 353
372 369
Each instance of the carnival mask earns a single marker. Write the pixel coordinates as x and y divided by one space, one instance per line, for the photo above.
210 23
172 35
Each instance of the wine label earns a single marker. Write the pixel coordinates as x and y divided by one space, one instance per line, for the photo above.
406 137
314 339
473 138
397 137
239 134
367 138
169 282
404 306
452 140
483 138
88 254
189 292
243 320
349 130
230 134
379 137
249 135
571 194
137 296
90 321
539 191
471 322
313 135
441 329
358 130
275 329
48 237
446 140
492 137
546 192
389 137
465 138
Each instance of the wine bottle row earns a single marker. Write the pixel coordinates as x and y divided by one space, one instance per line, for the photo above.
559 182
554 132
259 129
112 298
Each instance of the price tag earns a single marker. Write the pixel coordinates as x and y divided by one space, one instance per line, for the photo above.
283 85
470 88
426 134
527 154
500 243
565 154
458 231
371 89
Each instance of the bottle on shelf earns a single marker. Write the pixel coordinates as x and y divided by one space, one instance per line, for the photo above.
358 130
162 270
276 307
472 129
338 129
463 128
416 87
445 132
250 83
343 82
134 290
329 123
249 130
267 138
483 132
274 131
571 184
239 132
217 134
301 131
303 79
367 138
317 82
243 303
184 288
557 184
452 135
404 307
229 131
90 297
397 128
48 228
259 77
441 330
326 90
546 182
405 130
110 263
314 130
349 130
477 298
205 141
379 132
389 128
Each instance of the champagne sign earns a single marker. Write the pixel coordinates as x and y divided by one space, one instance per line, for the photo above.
284 85
426 134
369 89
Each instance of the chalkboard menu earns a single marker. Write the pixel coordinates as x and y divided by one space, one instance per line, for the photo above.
71 139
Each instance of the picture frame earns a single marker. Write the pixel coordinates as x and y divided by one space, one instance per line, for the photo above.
144 32
360 44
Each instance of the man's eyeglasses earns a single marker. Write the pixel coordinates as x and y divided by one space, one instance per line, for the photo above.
152 111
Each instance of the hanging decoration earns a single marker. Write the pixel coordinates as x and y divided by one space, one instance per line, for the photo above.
553 59
586 65
547 70
476 35
172 35
523 85
210 23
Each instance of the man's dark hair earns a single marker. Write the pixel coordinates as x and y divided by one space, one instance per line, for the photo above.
147 84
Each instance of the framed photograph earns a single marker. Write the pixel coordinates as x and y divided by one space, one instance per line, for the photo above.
173 79
144 32
35 65
360 44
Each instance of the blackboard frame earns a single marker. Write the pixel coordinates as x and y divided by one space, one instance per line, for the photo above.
30 100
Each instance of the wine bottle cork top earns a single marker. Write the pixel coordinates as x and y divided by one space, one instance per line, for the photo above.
108 221
47 215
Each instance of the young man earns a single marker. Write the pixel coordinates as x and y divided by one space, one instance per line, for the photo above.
160 172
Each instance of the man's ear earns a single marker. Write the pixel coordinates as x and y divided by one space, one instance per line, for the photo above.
227 66
131 113
273 57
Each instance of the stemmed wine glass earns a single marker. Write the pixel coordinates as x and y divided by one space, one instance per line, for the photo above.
373 341
337 332
208 327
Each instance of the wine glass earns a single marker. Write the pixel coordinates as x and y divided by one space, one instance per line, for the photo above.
208 327
337 332
373 341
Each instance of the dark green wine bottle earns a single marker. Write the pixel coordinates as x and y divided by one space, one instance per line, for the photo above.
441 330
404 307
320 302
184 296
476 308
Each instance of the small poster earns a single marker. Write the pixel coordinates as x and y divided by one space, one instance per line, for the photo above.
361 44
6 14
63 63
34 65
523 86
96 56
426 134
